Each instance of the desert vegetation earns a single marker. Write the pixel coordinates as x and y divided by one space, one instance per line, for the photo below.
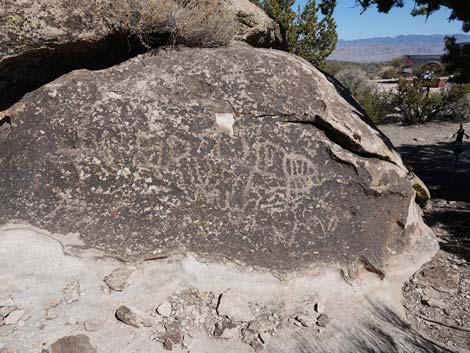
410 101
207 23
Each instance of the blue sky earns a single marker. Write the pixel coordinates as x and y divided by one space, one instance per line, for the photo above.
353 25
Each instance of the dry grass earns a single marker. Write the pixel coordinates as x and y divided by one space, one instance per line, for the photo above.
206 23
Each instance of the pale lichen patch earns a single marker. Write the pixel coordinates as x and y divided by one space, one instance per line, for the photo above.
225 122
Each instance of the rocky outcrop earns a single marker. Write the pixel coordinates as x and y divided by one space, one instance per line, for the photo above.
236 153
255 26
41 40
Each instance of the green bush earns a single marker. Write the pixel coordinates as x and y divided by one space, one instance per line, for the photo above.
377 104
416 103
457 103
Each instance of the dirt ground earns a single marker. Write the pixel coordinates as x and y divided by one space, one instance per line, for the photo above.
437 299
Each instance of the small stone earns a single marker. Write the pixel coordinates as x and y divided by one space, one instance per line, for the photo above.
187 339
225 329
261 326
7 302
52 303
323 320
257 345
249 335
127 316
168 345
118 280
51 314
14 317
72 292
230 333
171 339
164 309
319 308
265 337
235 306
7 310
93 325
73 344
305 321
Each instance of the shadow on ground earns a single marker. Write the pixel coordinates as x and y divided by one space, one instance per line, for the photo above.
450 189
381 331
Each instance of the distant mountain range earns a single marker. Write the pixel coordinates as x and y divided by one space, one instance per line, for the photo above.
387 48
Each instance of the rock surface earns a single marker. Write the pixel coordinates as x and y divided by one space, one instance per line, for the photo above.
73 344
43 39
142 164
32 282
255 26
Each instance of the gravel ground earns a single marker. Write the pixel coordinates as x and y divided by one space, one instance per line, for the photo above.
437 298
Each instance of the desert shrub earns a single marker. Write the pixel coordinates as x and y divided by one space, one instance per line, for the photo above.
205 23
192 22
377 104
388 72
416 103
355 80
457 102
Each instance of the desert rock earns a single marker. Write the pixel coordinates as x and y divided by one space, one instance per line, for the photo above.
297 176
73 344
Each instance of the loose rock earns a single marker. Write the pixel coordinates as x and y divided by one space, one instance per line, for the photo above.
305 320
127 316
7 310
164 309
72 292
171 339
235 306
118 279
73 344
14 317
323 320
93 325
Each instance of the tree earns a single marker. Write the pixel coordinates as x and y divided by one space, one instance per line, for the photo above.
281 11
457 60
308 37
315 41
460 8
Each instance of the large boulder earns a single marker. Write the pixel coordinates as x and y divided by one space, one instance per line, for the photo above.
43 39
236 153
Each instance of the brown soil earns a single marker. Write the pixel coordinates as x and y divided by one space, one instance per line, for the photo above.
437 298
